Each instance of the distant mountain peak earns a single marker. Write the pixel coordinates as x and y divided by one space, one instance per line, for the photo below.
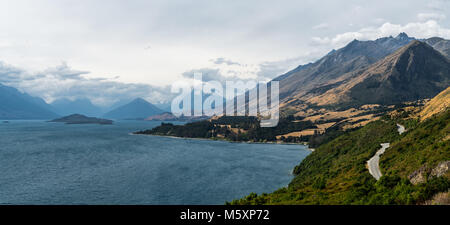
433 40
355 42
139 108
417 48
413 45
402 36
416 43
440 44
140 100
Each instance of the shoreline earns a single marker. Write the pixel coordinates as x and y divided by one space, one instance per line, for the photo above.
211 139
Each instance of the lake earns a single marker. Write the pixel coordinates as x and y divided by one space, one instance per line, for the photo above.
53 163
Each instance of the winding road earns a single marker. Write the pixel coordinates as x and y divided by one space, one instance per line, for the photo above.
401 129
374 163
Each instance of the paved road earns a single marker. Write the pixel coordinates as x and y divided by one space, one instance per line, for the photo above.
374 162
401 129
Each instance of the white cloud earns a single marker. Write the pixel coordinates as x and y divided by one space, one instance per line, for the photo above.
5 44
64 82
430 16
272 69
154 42
223 69
321 26
222 60
437 5
181 35
378 20
425 29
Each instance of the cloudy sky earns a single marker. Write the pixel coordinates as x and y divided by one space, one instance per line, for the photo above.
112 50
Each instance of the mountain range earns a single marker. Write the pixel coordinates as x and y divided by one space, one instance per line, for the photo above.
415 71
386 71
440 44
355 55
18 105
387 84
389 70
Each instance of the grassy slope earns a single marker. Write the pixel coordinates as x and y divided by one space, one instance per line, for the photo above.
425 145
436 105
336 172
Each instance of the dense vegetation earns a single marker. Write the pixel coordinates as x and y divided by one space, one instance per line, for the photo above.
247 128
330 134
426 144
232 128
336 172
200 129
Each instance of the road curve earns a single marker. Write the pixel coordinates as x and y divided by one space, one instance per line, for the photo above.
373 163
401 129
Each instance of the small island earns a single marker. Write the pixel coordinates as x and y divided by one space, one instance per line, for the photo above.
81 119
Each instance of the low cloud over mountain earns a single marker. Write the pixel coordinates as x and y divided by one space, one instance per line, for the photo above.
63 82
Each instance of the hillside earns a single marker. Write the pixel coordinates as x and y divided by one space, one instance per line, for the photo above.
440 44
436 105
355 85
406 77
136 109
414 72
17 105
312 79
335 172
424 146
341 85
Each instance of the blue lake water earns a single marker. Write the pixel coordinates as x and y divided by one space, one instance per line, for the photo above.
53 163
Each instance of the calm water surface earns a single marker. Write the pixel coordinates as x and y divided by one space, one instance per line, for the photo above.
52 163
